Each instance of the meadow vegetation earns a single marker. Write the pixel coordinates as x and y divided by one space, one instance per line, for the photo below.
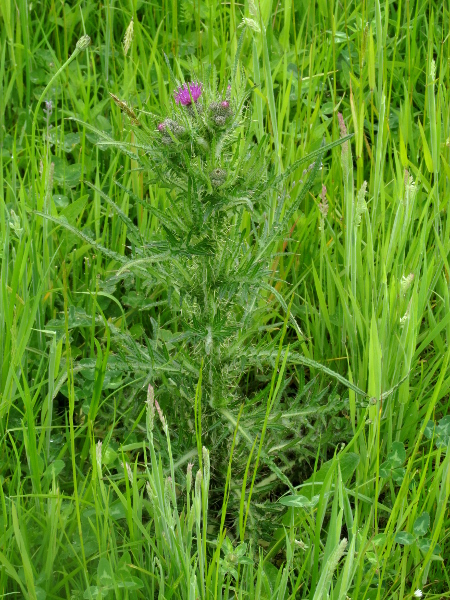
224 299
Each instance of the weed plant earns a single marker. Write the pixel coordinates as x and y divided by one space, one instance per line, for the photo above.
211 258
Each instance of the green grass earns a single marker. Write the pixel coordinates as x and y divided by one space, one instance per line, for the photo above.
77 525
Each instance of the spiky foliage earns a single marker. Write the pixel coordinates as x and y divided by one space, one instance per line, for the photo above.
212 262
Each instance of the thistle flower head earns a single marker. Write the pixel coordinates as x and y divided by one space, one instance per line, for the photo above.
220 111
169 125
217 177
220 121
187 93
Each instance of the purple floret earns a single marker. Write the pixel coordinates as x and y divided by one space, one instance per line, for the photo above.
182 95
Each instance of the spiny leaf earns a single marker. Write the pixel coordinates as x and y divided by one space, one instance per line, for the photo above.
109 253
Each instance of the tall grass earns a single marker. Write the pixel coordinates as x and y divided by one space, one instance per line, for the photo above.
367 283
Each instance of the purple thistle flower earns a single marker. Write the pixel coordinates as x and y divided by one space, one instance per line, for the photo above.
225 104
161 127
182 95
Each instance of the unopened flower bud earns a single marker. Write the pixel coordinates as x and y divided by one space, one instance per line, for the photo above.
220 111
217 177
172 126
83 42
219 120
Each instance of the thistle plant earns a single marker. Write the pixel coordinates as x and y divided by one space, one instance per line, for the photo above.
225 214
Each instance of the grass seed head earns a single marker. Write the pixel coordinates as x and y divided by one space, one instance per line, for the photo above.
128 38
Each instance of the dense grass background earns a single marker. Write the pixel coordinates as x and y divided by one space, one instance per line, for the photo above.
371 298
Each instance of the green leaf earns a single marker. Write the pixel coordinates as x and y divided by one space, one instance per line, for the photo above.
385 469
69 175
60 201
424 545
398 475
379 539
131 583
397 454
74 209
426 149
443 428
70 141
404 538
41 594
117 510
104 572
54 468
64 223
422 524
298 501
313 364
429 430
